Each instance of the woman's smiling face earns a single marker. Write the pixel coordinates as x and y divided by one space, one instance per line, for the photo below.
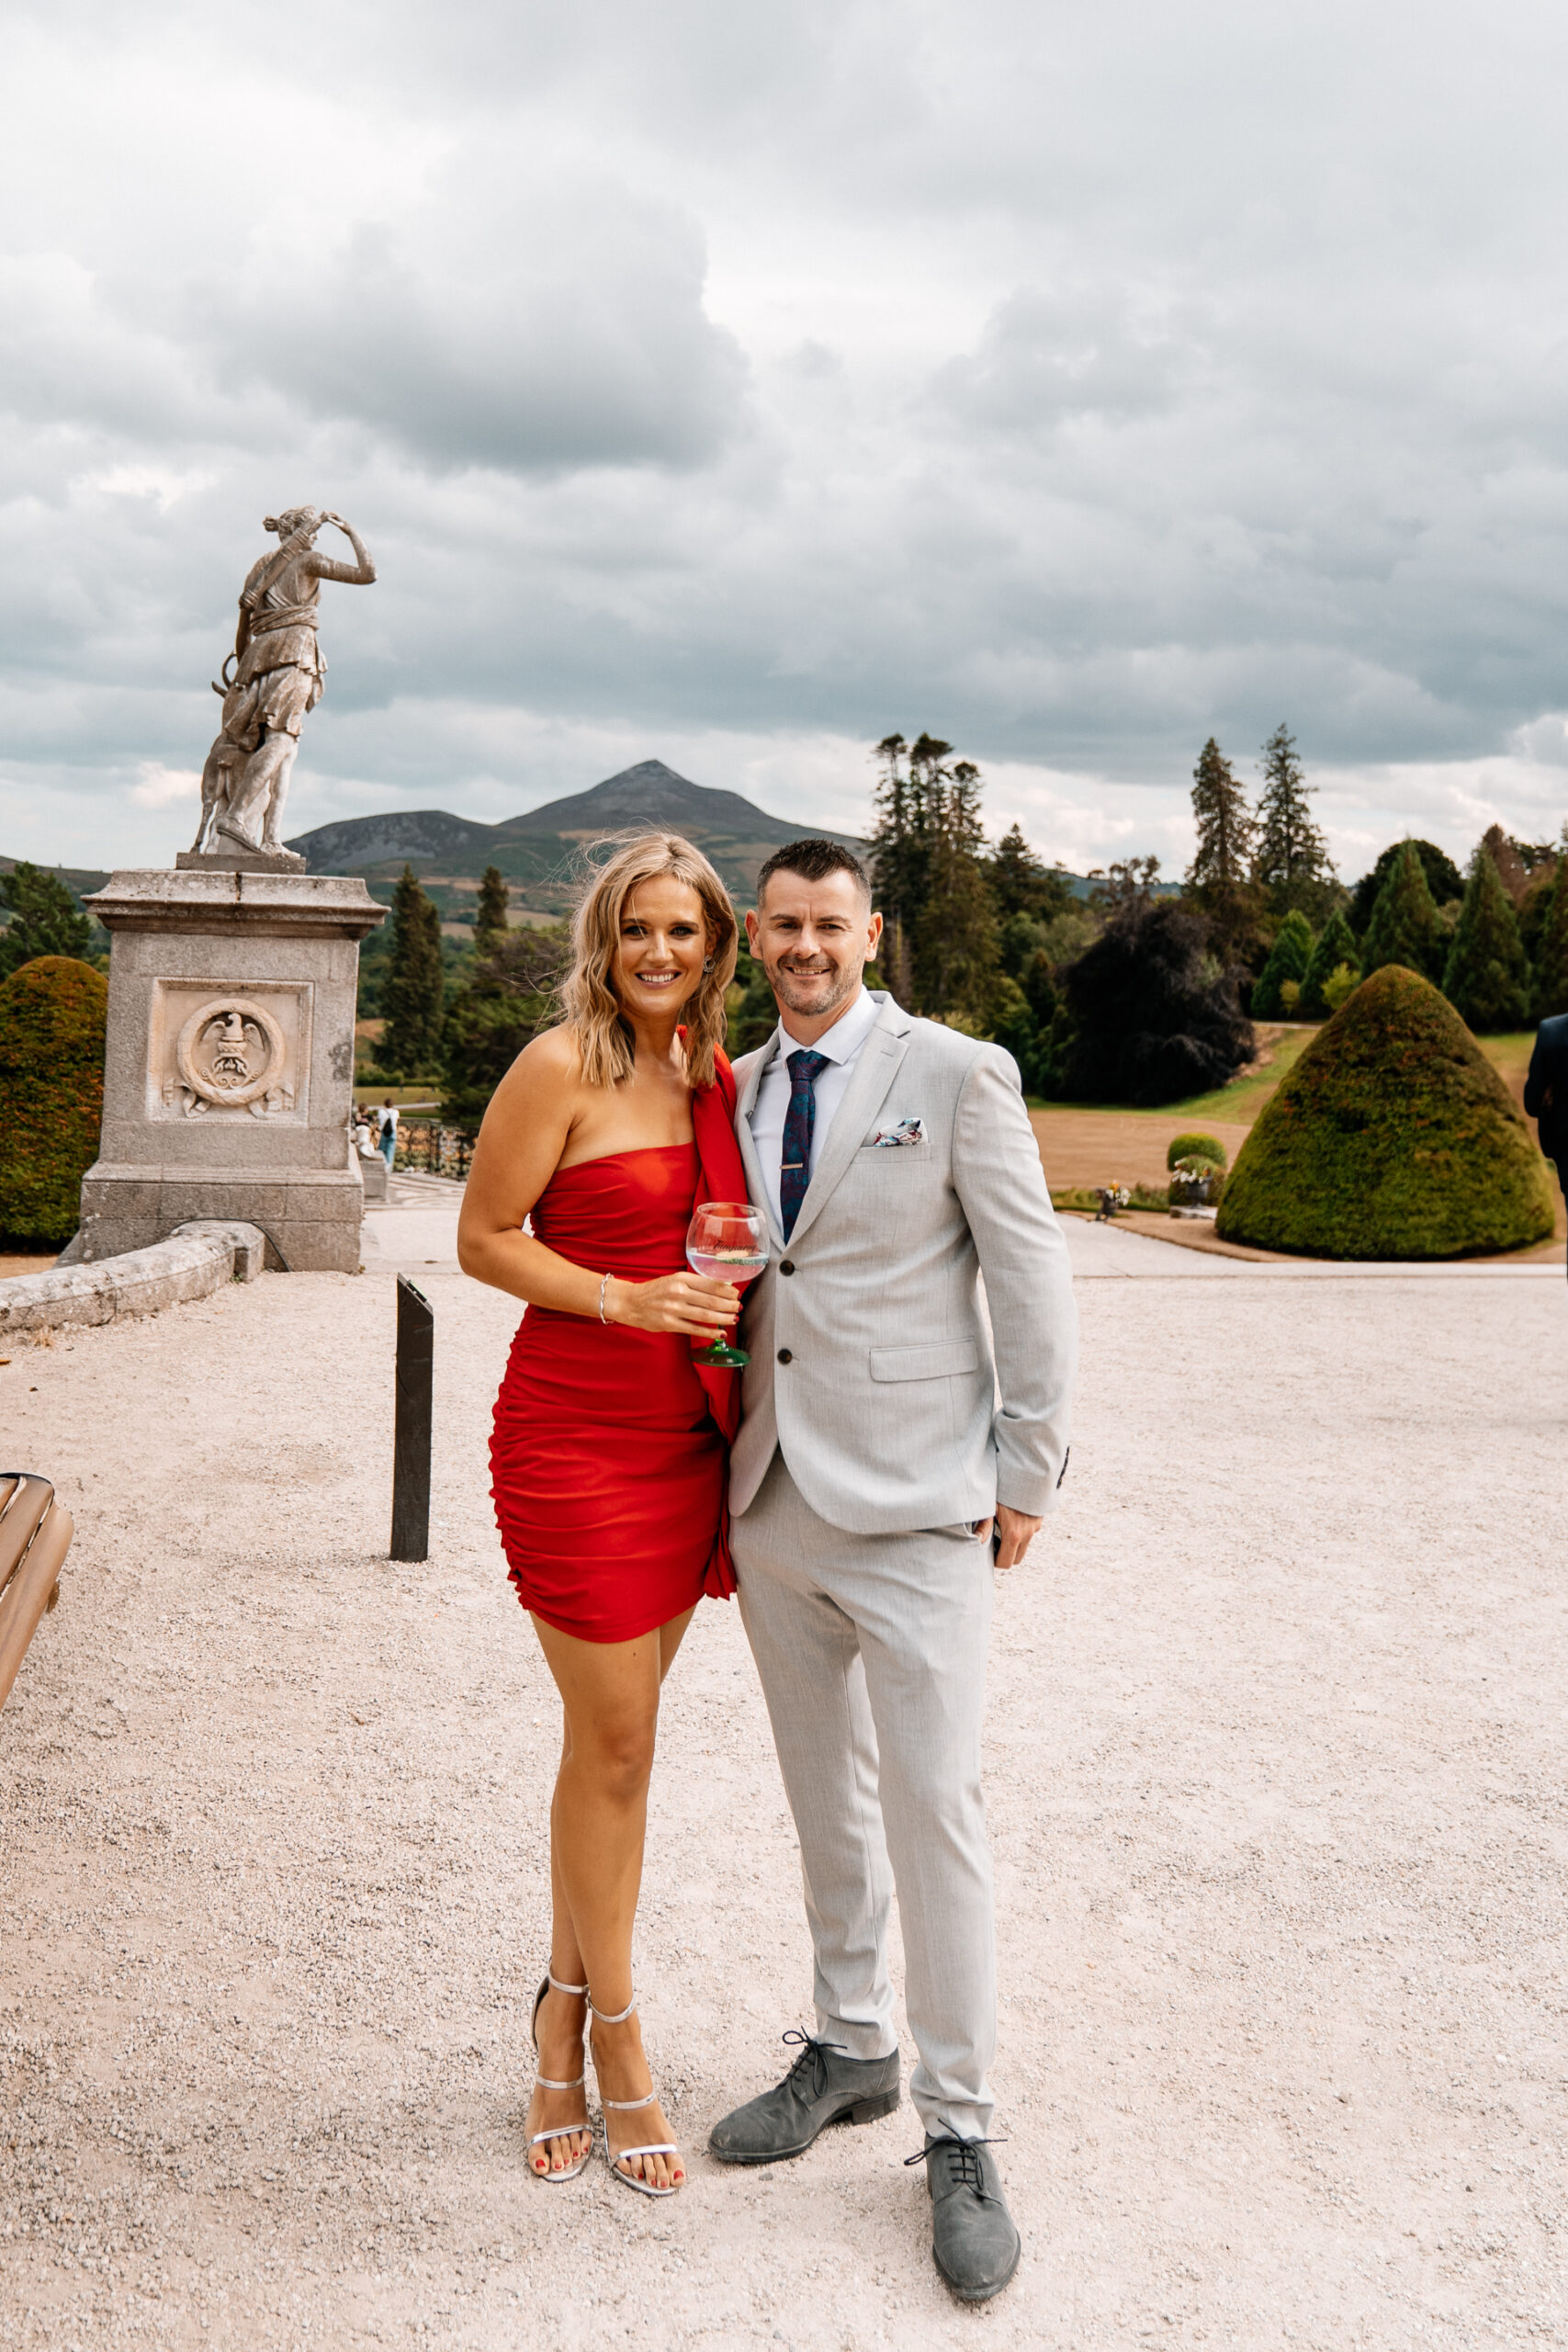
663 944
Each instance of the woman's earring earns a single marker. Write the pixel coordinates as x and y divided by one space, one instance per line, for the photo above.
707 963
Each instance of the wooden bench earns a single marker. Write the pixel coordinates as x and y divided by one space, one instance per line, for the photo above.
35 1535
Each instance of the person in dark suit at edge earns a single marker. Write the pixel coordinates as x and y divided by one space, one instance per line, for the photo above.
1546 1093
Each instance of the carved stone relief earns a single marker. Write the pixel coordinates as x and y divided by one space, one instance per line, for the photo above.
223 1054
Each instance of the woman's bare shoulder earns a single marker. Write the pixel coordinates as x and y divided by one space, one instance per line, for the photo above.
554 1053
546 1074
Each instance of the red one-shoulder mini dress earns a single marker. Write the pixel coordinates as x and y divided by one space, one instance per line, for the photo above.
609 1451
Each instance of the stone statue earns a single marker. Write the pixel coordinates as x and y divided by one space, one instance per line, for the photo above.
278 677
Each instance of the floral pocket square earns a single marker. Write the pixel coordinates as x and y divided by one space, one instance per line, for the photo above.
907 1131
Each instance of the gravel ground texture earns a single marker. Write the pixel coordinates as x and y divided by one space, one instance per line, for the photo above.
1276 1780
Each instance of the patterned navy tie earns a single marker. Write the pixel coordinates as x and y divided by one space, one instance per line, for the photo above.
799 1120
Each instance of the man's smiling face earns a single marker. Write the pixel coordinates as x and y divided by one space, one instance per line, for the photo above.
814 940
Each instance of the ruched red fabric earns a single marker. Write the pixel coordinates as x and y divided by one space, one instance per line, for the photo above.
608 1466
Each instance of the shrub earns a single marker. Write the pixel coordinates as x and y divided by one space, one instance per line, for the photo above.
52 1093
1392 1136
1336 945
1288 960
1343 982
1147 1016
1196 1146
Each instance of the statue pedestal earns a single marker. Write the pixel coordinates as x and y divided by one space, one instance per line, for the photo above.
229 1067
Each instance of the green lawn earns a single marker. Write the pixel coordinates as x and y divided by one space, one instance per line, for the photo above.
1242 1099
1245 1097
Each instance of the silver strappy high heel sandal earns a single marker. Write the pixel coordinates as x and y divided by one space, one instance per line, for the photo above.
616 2158
560 2130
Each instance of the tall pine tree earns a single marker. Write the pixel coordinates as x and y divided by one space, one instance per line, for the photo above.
1503 851
1218 879
1405 927
1290 858
939 951
1023 884
490 916
1487 979
1550 992
412 991
956 955
901 851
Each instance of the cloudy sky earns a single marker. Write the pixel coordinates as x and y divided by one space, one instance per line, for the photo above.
1073 378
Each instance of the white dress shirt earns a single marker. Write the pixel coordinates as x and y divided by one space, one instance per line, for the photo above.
841 1047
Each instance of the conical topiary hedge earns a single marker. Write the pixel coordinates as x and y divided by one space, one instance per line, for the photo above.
1392 1137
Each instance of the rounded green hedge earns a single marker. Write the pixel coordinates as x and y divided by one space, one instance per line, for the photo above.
1392 1136
1195 1147
52 1093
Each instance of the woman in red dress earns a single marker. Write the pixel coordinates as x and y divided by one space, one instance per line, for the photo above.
610 1448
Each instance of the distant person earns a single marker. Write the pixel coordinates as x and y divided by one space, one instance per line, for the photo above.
609 1447
388 1131
362 1143
1546 1093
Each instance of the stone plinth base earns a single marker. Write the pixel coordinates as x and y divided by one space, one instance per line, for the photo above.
309 1218
228 1080
238 861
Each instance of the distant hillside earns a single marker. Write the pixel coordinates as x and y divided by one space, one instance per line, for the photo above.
537 852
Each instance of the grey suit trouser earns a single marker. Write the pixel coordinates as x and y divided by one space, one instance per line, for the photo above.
871 1654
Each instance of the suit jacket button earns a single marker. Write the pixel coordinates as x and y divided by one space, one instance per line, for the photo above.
786 1265
784 1356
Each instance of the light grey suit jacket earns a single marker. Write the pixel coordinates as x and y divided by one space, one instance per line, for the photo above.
872 1363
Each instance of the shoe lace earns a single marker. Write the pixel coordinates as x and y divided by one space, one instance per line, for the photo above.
967 2168
813 2060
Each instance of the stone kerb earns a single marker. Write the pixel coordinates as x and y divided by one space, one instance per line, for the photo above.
197 1258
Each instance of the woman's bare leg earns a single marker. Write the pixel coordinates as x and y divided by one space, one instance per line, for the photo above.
598 1820
562 2017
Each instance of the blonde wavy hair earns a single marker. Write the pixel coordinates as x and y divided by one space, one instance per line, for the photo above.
590 1006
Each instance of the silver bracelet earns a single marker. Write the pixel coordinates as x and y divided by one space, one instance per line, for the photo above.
603 1317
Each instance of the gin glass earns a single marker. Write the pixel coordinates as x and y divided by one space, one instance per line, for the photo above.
727 1241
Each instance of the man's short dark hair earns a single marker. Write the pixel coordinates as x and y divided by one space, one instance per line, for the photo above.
813 860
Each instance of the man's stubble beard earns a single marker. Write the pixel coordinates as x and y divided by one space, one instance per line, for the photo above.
846 985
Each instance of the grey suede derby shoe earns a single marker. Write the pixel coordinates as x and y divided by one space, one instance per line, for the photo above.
975 2244
823 2086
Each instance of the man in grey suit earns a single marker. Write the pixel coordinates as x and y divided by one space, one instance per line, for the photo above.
897 1435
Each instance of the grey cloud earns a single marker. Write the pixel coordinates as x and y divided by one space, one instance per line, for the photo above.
501 323
1045 356
1072 383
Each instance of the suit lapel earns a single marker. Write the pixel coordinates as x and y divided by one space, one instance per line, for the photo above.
869 1080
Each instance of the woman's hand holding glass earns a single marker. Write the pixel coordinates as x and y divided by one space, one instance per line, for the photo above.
701 1308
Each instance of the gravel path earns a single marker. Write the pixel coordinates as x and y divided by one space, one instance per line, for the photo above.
1276 1778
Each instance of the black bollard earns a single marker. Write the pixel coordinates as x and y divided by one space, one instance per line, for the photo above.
411 1442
